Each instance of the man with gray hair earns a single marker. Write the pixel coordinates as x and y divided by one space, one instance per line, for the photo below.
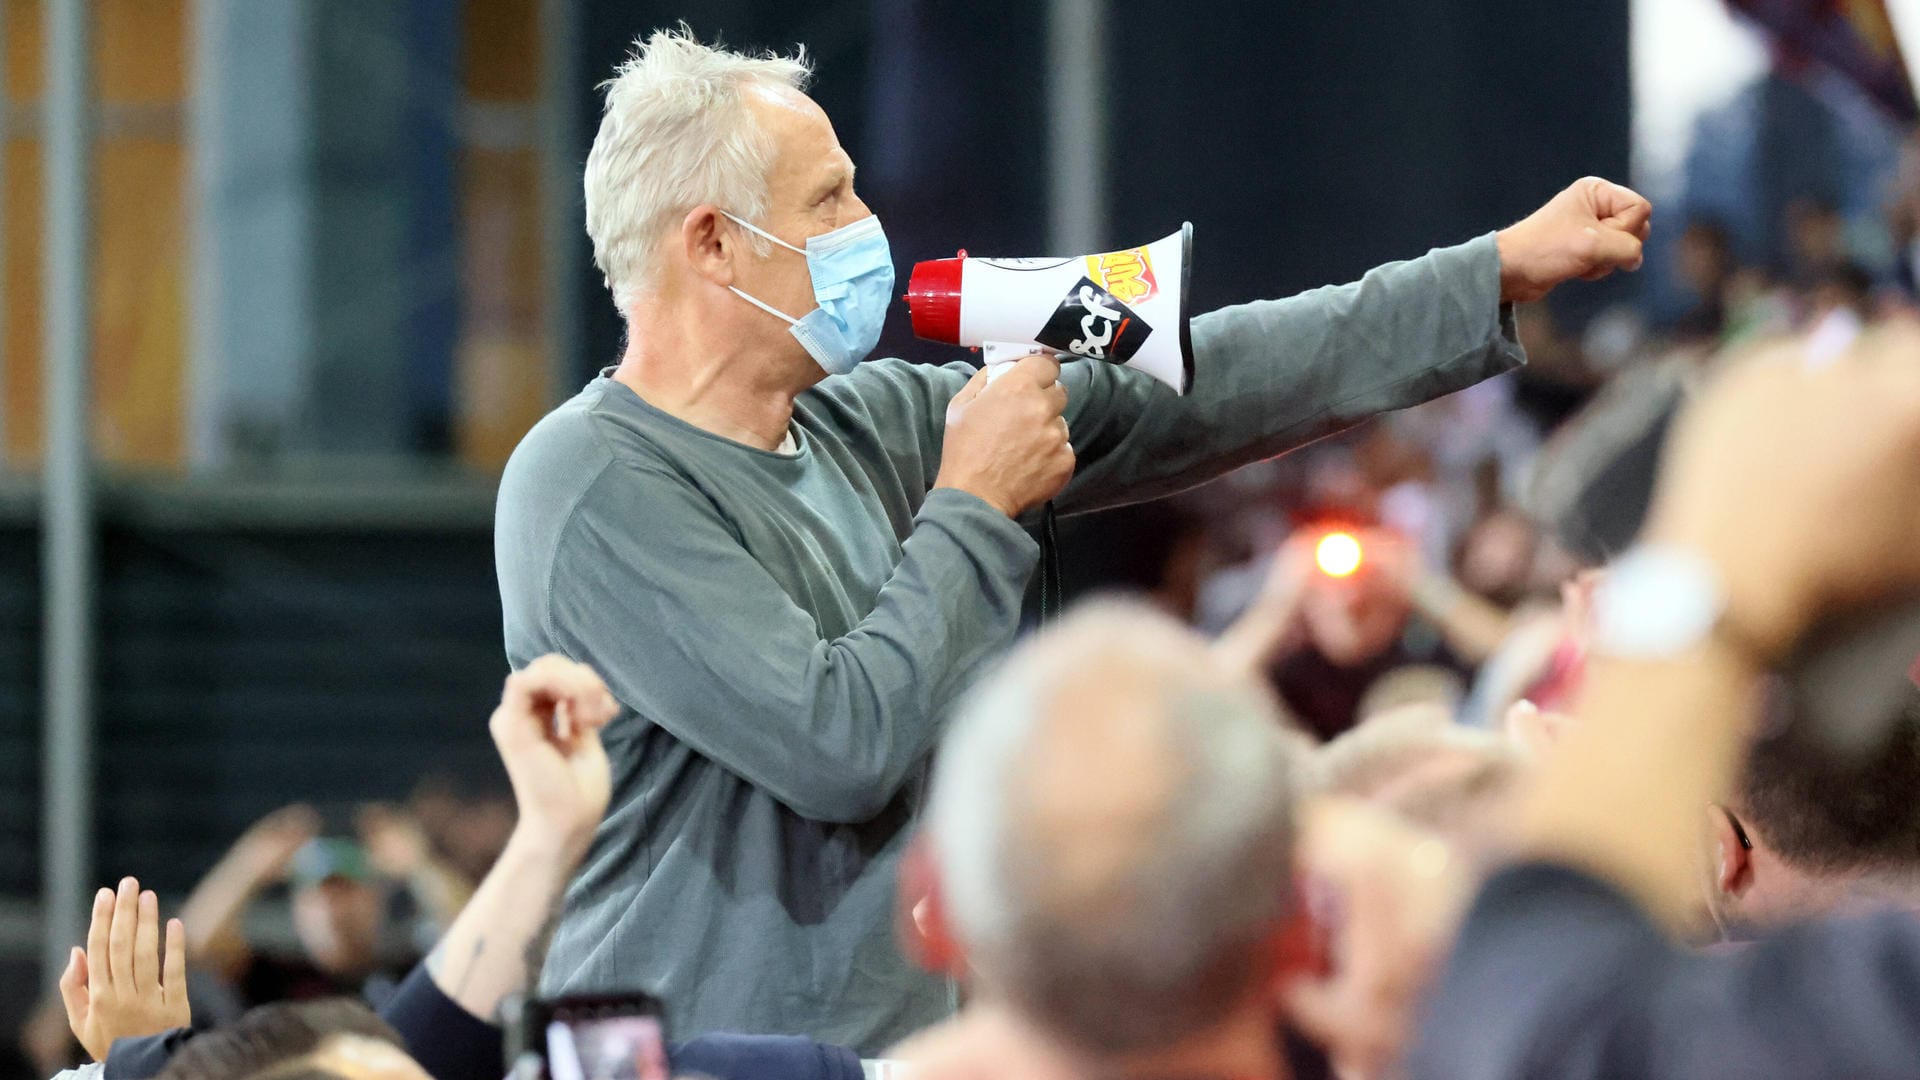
788 563
1111 832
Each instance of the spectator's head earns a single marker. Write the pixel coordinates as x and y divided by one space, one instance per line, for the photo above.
339 909
1453 781
1843 286
1111 828
1354 620
1497 557
331 1039
1811 829
1816 235
1705 257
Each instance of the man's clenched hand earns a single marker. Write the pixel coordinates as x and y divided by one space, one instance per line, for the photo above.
1007 442
1588 231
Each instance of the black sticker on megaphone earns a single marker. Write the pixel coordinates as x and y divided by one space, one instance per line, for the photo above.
1091 323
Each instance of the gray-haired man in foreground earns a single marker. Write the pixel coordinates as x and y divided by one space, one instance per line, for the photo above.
787 578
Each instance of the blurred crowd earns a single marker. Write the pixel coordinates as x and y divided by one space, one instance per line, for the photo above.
297 911
1481 516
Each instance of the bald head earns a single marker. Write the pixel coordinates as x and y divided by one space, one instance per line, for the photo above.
1112 819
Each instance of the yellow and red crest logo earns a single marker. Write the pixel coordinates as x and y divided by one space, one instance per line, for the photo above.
1128 274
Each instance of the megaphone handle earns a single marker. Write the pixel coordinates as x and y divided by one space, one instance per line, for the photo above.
998 356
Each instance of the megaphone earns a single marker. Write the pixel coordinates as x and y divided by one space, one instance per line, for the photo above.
1126 307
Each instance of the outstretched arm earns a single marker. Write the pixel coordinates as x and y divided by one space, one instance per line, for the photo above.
1277 374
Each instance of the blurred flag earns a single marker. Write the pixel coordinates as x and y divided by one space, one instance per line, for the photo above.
1852 37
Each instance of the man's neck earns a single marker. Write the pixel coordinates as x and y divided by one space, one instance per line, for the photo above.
1247 1046
724 392
1796 894
1881 891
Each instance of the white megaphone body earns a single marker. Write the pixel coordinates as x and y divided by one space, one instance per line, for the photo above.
1126 307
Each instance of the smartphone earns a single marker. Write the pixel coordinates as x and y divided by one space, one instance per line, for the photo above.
598 1037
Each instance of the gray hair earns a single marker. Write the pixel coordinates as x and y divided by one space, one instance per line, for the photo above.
677 133
1154 939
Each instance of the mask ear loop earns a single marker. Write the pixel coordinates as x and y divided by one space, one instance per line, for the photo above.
764 306
751 227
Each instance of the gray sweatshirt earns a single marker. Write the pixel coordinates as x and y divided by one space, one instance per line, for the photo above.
786 631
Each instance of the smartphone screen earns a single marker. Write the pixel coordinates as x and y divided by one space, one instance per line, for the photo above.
604 1043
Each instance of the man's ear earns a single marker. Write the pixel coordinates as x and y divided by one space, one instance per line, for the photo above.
920 914
708 244
1299 946
1733 860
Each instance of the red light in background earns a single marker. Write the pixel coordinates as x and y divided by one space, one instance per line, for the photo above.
1338 554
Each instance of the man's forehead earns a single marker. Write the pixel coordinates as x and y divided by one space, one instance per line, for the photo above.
808 149
774 96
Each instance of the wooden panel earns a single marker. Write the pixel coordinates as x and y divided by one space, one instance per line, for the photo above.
140 47
22 210
24 75
140 303
501 57
501 377
140 268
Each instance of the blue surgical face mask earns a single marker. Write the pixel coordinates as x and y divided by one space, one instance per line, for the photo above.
852 271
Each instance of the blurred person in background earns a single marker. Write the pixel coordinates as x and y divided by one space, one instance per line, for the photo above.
788 578
1327 642
341 896
1812 829
1322 641
327 1039
1457 783
1816 242
1566 966
1449 794
466 828
1109 858
1705 263
340 899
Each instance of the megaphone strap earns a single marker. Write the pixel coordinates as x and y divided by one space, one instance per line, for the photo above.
1050 586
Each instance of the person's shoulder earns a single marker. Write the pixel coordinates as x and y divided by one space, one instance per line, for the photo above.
563 442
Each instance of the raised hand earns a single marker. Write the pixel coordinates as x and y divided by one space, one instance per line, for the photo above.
396 844
1801 483
1587 231
118 987
547 729
267 847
